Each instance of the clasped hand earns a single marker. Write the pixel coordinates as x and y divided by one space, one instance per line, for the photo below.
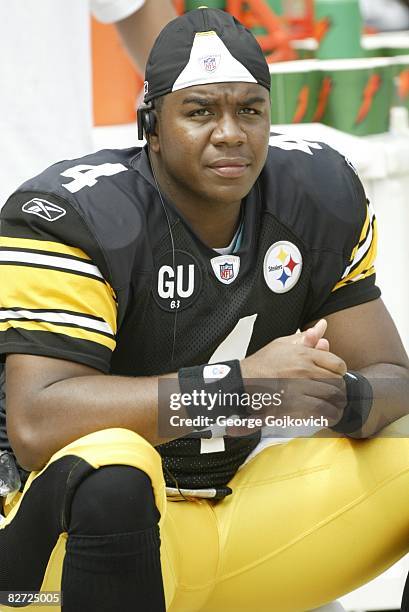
301 372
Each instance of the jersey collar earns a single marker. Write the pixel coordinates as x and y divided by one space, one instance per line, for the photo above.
141 164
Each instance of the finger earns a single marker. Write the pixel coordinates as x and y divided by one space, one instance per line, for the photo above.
311 407
320 327
328 361
314 334
316 407
322 345
332 390
309 338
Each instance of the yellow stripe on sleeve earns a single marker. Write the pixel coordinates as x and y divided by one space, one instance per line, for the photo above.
41 288
362 237
73 332
42 245
365 267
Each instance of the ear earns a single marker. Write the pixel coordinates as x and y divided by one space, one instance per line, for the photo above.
154 138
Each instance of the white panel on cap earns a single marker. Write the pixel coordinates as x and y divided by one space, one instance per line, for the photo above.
211 62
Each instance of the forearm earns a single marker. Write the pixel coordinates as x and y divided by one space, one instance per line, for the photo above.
74 407
139 31
390 384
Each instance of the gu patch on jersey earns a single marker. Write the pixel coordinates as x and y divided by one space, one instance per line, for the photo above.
226 268
44 209
177 284
282 266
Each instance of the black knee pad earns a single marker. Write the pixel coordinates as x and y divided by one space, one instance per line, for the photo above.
113 499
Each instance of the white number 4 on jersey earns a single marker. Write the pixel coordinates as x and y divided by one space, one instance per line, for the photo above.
288 143
86 176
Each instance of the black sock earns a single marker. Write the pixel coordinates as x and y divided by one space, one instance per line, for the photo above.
113 573
112 561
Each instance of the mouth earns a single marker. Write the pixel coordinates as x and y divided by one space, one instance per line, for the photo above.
230 168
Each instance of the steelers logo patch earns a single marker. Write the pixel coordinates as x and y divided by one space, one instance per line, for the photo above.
282 266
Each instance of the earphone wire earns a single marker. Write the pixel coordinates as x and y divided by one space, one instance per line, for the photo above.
172 243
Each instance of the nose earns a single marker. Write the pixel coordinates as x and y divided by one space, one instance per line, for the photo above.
228 131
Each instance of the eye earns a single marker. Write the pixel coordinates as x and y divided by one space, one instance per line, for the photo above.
200 112
249 111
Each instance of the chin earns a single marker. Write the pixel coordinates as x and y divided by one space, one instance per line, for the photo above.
232 193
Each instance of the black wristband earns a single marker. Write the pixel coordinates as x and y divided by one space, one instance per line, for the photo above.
359 404
222 381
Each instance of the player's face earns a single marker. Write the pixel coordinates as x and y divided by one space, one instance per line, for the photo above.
212 140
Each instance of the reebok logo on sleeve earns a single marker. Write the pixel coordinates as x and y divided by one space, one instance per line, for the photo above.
44 209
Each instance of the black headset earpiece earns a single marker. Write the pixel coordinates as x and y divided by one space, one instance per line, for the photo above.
146 120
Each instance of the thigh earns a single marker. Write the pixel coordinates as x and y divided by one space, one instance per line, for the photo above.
311 520
190 554
34 532
189 536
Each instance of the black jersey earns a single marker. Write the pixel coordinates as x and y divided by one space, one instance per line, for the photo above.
94 271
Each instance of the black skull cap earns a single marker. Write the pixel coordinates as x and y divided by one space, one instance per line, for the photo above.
203 46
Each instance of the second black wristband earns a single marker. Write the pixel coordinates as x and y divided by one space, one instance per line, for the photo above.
359 404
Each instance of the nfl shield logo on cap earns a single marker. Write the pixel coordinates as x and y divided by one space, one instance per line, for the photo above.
210 63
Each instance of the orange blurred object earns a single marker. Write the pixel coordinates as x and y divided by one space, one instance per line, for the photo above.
323 98
299 15
116 83
294 24
370 90
302 105
179 6
321 28
277 39
403 81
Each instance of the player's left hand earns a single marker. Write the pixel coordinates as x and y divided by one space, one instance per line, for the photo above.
311 338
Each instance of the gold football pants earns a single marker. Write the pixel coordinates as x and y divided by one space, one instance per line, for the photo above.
308 521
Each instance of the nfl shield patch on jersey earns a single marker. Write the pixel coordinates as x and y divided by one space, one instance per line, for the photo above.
226 268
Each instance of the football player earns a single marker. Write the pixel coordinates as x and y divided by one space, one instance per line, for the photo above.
141 285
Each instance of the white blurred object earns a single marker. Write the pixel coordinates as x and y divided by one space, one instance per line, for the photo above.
385 14
399 121
399 115
46 82
116 137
